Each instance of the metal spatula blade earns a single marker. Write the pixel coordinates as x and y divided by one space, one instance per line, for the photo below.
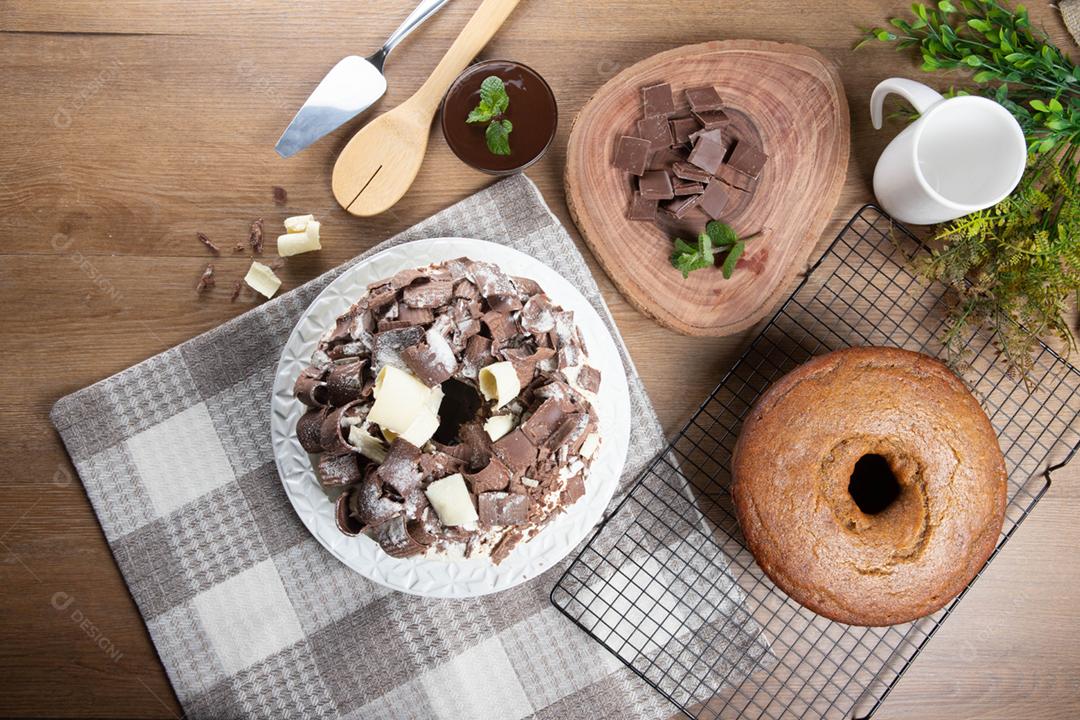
351 87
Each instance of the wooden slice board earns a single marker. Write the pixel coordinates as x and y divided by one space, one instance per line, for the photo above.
791 98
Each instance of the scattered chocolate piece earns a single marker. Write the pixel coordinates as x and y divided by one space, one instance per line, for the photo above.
657 100
206 280
632 154
207 242
501 325
428 295
641 208
239 247
389 344
712 119
431 367
680 206
589 379
686 171
708 155
536 315
280 196
237 288
515 450
277 264
714 200
255 236
683 128
704 99
547 418
655 185
574 490
747 158
500 508
657 130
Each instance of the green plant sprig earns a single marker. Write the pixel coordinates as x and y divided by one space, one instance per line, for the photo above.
717 239
492 106
1038 83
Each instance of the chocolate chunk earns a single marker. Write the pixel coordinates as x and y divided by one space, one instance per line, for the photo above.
495 286
346 523
574 490
525 363
666 157
345 382
280 196
368 504
466 290
571 432
536 317
208 243
474 437
206 280
683 128
310 387
338 470
331 435
708 155
428 295
542 423
415 316
704 98
515 450
494 476
400 470
687 187
686 171
655 185
394 538
309 430
500 508
589 379
527 287
735 178
435 464
641 208
715 199
389 344
432 367
656 130
632 154
680 206
657 100
501 325
502 549
712 119
747 158
255 235
716 134
477 355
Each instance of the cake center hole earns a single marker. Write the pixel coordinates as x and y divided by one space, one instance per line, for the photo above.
460 405
873 486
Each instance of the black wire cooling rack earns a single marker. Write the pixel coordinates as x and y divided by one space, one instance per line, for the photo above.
667 584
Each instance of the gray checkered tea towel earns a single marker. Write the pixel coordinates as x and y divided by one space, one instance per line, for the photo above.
250 615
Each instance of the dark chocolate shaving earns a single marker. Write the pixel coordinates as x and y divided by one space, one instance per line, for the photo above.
428 295
255 235
280 196
400 470
339 470
346 523
589 379
206 280
309 430
310 387
515 450
494 476
345 382
394 538
207 242
499 508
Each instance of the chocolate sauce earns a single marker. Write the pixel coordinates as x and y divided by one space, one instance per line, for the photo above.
532 111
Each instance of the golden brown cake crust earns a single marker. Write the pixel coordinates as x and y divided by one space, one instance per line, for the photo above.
794 459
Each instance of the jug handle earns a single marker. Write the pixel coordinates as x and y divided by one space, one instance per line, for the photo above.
920 96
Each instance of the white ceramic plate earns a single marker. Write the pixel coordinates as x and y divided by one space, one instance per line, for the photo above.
430 576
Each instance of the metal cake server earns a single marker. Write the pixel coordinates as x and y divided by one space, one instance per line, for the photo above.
350 87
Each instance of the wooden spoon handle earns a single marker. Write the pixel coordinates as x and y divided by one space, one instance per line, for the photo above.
487 19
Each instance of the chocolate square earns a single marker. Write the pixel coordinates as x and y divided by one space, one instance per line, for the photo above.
494 476
686 171
708 155
712 119
641 208
687 187
657 100
499 508
663 158
515 450
656 130
631 154
735 178
747 158
704 98
678 207
715 199
716 134
655 185
683 128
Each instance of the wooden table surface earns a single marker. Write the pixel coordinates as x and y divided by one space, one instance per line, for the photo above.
129 126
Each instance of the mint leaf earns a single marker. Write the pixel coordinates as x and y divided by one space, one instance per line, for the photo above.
493 95
497 136
721 233
479 114
686 258
732 257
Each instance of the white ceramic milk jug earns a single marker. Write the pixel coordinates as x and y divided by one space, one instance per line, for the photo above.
963 154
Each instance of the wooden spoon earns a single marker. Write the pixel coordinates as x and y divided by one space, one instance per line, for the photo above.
380 163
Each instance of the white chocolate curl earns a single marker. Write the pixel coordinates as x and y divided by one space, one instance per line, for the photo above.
451 500
261 279
298 223
299 242
422 427
368 445
399 398
499 425
499 382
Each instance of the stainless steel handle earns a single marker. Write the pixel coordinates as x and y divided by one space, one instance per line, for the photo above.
423 11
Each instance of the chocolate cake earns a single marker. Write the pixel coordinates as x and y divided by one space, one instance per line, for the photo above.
451 410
